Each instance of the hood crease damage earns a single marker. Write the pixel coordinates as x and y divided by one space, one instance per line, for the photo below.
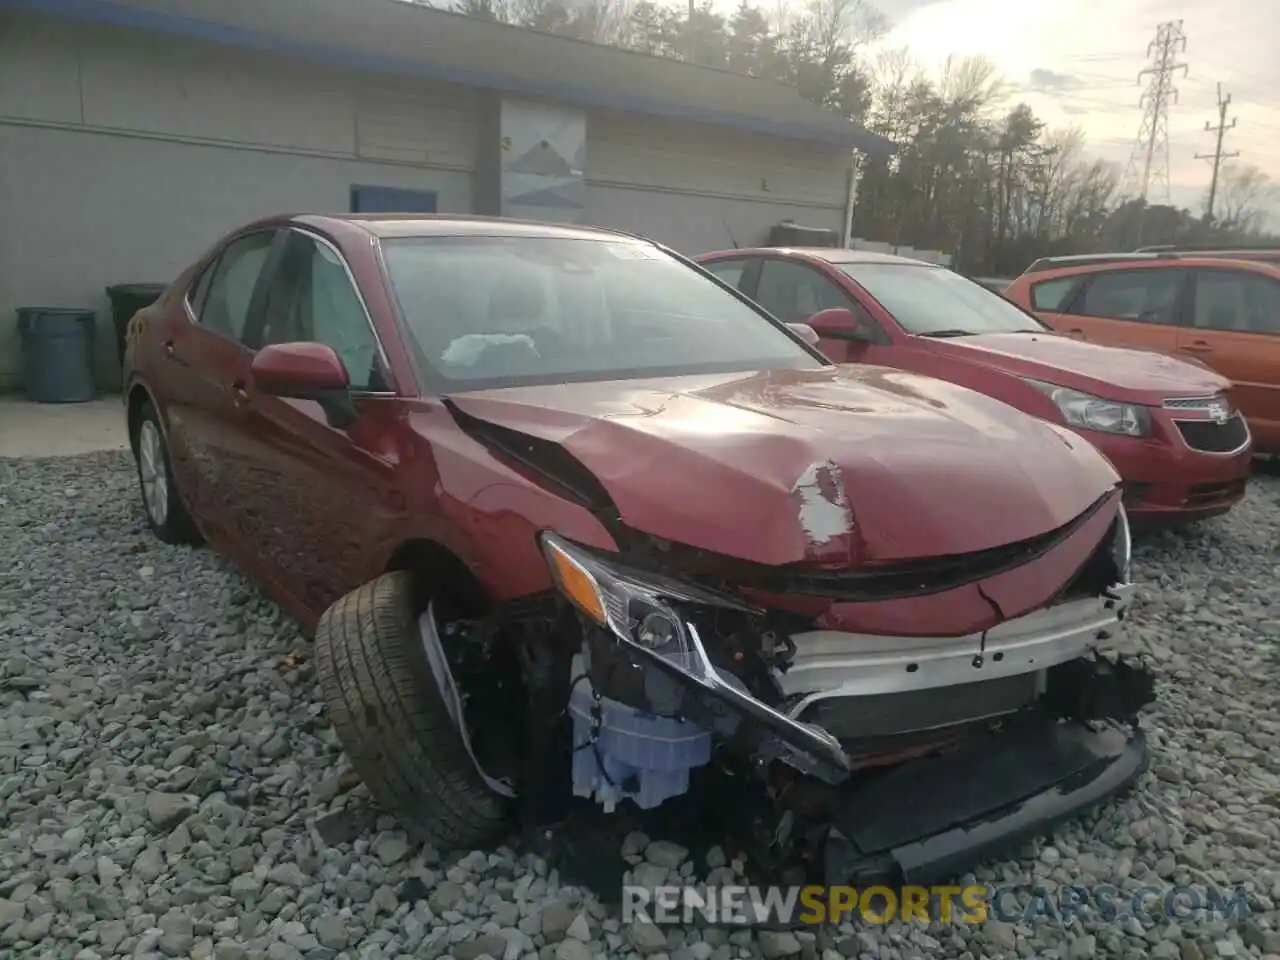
689 655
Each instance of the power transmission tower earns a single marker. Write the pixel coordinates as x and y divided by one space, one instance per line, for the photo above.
1218 156
1149 161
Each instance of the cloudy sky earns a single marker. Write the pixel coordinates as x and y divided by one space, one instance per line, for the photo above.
1077 62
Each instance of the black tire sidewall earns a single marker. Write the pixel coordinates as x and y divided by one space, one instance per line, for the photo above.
428 779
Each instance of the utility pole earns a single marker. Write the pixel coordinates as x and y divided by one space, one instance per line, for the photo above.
1218 155
1149 161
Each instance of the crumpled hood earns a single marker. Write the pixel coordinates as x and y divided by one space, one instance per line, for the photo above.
832 465
1115 373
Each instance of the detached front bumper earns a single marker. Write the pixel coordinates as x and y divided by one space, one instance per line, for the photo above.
986 797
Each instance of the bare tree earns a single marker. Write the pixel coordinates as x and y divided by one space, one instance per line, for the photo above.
1245 195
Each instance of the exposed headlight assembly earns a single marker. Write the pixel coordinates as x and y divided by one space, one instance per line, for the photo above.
1087 412
639 609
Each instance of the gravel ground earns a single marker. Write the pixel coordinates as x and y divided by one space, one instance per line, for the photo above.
164 763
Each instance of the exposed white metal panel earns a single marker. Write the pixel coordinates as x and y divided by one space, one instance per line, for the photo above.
109 78
632 150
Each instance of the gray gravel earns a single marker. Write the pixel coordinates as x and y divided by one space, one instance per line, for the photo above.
164 766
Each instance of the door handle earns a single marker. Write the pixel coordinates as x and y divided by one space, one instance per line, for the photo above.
1197 346
1076 332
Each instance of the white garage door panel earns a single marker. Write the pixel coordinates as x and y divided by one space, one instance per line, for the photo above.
97 209
672 155
115 79
697 224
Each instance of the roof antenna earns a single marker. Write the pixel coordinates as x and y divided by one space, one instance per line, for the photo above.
730 233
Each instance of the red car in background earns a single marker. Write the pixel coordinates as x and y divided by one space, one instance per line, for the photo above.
1167 425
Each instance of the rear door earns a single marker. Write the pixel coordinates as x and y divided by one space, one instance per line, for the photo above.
1235 328
202 361
1133 307
322 497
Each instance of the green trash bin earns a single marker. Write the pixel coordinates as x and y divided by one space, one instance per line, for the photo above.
57 353
126 300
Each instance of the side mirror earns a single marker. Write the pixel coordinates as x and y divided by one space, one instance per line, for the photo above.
840 323
306 371
805 333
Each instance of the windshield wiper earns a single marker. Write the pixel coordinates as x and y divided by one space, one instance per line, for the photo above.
947 333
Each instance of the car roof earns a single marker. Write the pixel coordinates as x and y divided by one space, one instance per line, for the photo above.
831 255
391 225
1047 267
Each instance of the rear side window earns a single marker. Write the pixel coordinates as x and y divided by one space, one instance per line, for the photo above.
196 295
1142 296
1052 294
226 307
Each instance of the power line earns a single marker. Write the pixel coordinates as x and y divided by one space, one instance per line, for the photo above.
1149 161
1218 156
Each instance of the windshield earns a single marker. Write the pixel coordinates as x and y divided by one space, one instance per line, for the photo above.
508 311
934 301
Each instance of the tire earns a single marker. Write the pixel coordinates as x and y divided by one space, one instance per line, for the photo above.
166 514
393 723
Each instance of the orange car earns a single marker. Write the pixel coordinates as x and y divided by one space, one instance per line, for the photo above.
1265 254
1224 313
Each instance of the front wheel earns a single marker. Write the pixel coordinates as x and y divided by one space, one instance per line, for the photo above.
396 723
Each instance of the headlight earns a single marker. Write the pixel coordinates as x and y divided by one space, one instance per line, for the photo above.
638 608
634 606
1088 412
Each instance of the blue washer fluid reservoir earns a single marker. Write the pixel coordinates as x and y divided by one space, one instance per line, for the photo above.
652 755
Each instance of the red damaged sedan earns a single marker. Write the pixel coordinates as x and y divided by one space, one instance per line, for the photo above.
1166 424
572 522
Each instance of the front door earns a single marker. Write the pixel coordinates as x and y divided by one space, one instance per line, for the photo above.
1235 329
324 496
793 292
1125 308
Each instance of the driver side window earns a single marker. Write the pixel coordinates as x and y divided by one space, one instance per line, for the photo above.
312 298
793 292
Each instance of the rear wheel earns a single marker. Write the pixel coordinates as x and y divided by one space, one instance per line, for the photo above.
167 515
397 711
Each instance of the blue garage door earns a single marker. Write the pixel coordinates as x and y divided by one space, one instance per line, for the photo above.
392 200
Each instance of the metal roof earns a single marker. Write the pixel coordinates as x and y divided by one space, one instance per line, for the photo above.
396 37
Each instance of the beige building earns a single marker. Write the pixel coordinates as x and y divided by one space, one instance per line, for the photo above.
134 133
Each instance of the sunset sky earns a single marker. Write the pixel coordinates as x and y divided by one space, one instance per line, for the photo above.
1076 62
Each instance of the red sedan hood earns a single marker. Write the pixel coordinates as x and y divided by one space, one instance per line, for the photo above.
1115 373
834 465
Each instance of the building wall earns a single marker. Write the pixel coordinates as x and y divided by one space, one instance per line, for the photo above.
122 156
700 188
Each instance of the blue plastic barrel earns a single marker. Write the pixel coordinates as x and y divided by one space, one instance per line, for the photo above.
57 353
